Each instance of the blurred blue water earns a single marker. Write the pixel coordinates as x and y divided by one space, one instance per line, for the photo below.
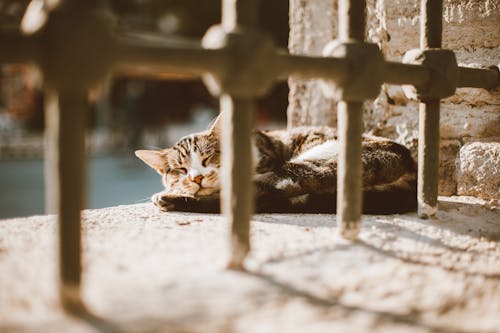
111 181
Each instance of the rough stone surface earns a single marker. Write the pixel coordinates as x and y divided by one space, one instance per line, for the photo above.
478 173
470 28
148 271
467 25
311 28
458 121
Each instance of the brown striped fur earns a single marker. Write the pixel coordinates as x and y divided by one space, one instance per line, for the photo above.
295 171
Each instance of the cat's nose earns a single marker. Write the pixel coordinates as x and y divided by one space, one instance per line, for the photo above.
197 179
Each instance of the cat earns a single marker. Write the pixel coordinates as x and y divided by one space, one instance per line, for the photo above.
295 172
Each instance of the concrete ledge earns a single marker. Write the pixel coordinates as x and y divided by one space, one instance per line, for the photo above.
147 271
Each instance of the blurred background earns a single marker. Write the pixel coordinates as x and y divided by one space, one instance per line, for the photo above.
127 112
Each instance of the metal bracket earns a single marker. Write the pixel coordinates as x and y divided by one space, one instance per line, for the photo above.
443 69
364 75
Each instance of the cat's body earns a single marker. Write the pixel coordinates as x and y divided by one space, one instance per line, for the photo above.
295 171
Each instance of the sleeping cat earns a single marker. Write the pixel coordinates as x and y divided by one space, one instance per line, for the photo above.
295 171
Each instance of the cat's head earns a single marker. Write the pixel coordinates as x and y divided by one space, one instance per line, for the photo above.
191 166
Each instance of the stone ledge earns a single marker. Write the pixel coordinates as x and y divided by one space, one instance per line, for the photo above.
478 171
147 271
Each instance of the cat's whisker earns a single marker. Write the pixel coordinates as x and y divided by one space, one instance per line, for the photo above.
153 147
142 200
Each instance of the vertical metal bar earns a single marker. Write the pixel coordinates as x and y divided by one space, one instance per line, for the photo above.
349 173
64 176
239 13
428 158
237 196
428 148
431 23
352 20
350 128
238 121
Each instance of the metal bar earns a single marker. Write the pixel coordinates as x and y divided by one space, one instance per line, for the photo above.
238 122
431 23
428 147
159 55
350 127
64 181
155 56
478 78
17 48
308 67
352 19
349 173
428 158
237 196
398 73
239 14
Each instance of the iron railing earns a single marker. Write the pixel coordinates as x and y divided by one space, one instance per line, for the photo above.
76 47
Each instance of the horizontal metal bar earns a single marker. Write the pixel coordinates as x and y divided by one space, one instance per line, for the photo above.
398 73
394 73
155 56
309 67
17 48
478 78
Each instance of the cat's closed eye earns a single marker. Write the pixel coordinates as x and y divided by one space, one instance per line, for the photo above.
180 170
205 161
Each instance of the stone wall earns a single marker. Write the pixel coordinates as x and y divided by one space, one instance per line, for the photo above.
471 116
311 27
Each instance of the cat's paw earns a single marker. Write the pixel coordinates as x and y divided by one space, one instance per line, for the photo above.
163 201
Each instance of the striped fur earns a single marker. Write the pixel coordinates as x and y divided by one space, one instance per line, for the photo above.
295 171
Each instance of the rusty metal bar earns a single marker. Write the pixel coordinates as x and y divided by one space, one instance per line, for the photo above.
431 13
428 157
238 116
237 196
309 67
398 73
156 55
17 48
66 113
350 127
239 14
349 176
478 78
159 55
352 20
431 23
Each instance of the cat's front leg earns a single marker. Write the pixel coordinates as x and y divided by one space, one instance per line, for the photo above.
187 203
167 201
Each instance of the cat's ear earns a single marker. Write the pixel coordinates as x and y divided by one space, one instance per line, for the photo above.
215 126
153 158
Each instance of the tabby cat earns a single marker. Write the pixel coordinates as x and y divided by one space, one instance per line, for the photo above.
295 171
